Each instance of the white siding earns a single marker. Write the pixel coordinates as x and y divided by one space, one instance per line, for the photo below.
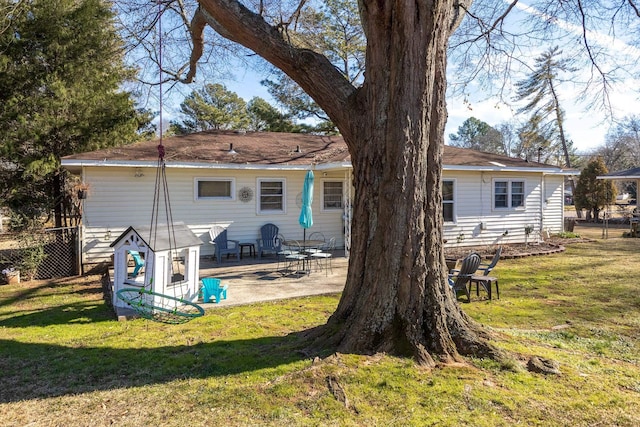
478 223
118 200
553 211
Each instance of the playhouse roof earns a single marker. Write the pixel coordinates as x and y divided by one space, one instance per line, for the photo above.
184 237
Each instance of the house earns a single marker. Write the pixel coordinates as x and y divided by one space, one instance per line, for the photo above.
242 180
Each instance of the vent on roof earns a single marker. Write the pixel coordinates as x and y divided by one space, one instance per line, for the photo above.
231 150
298 150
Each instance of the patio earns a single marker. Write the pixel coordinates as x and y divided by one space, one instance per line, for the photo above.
256 280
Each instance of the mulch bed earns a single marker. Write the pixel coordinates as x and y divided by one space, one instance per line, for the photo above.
514 250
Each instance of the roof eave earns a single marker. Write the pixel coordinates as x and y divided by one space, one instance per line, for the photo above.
545 171
619 177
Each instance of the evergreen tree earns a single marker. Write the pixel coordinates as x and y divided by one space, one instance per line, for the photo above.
535 141
592 193
540 92
265 117
213 107
61 68
478 135
544 104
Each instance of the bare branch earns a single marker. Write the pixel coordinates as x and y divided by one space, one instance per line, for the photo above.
634 7
594 62
500 20
312 71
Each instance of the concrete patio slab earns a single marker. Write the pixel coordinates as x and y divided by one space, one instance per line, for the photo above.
253 280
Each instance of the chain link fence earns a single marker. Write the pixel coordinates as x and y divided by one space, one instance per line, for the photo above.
46 254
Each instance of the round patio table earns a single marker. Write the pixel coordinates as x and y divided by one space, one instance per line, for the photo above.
305 245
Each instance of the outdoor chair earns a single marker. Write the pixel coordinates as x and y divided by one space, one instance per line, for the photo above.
326 254
484 279
486 268
138 263
223 245
268 241
296 259
283 252
316 235
211 288
460 281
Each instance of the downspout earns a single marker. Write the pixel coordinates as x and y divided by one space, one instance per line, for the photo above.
81 230
347 213
543 191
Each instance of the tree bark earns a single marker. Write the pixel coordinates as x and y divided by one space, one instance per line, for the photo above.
397 298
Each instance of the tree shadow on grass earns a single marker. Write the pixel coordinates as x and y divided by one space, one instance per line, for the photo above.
33 370
26 315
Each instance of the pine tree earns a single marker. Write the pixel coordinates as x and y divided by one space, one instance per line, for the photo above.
61 70
592 193
213 107
478 135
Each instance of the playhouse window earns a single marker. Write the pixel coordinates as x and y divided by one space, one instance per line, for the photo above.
272 195
214 188
332 195
179 267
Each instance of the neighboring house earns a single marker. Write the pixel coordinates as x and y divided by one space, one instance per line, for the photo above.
243 180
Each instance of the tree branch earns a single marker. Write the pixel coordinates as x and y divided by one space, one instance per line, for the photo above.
592 58
634 7
198 22
312 71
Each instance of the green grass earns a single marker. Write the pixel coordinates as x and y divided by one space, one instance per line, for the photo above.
65 361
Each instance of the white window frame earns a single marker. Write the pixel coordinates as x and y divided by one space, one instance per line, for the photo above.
259 210
454 201
232 189
323 207
510 194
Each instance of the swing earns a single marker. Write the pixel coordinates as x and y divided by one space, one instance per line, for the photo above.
144 301
159 307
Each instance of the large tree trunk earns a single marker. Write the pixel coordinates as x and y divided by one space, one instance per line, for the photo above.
396 298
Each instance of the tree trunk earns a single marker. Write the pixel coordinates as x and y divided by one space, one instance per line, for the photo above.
396 298
563 139
57 199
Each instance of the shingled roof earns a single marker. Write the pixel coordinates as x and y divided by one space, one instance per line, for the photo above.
268 149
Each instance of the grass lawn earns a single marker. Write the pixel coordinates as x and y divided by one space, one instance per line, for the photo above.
64 361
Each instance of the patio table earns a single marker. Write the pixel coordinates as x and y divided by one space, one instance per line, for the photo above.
304 246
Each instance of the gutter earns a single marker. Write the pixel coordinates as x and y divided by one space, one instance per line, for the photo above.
74 163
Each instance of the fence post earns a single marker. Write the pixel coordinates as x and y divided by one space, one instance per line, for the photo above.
79 264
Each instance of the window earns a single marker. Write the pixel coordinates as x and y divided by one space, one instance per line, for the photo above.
215 188
448 202
271 196
332 195
179 267
508 194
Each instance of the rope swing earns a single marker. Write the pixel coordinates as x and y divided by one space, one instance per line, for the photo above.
144 301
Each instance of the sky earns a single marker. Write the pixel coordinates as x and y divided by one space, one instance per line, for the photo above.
587 129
